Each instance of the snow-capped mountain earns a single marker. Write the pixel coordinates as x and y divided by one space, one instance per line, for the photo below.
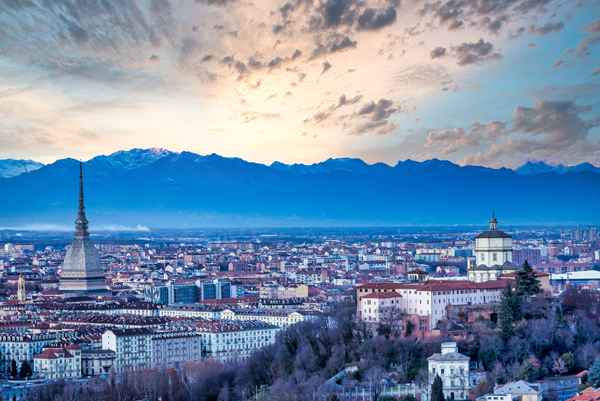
12 168
124 160
533 168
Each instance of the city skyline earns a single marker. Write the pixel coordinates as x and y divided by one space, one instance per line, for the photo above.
302 82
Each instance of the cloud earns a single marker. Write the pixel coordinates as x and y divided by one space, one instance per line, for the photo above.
437 52
475 53
531 45
593 27
486 15
596 72
326 67
374 118
335 44
155 58
544 130
369 20
324 115
546 29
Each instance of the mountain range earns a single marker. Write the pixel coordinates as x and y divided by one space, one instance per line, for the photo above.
161 189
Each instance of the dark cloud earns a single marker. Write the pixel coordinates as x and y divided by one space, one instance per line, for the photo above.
374 118
489 15
79 35
326 67
546 129
516 34
335 43
437 52
155 58
296 54
206 58
278 28
370 20
546 29
475 53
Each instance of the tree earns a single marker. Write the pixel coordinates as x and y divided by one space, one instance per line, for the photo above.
569 360
437 389
594 374
13 369
26 371
527 282
510 312
559 366
409 328
376 382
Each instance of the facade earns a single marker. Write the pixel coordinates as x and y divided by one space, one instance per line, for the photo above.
233 341
24 347
55 363
276 317
172 293
493 255
533 256
97 361
453 369
133 348
82 271
172 349
376 304
430 298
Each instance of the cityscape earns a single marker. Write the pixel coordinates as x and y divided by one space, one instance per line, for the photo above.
299 200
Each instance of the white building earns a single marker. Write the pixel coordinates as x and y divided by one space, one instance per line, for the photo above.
453 369
277 317
234 341
493 255
133 348
376 304
97 361
430 298
55 363
24 347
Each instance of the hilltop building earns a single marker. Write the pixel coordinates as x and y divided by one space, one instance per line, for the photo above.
493 255
82 272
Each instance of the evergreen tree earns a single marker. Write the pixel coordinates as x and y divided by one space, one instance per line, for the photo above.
437 389
559 321
13 369
510 312
594 374
527 281
26 371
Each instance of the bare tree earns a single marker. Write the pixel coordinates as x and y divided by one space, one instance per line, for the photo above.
423 382
376 379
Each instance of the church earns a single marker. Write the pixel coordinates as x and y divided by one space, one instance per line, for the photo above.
82 272
493 255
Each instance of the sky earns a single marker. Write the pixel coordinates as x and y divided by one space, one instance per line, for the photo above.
477 82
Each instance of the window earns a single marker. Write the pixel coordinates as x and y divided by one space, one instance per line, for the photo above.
495 257
482 258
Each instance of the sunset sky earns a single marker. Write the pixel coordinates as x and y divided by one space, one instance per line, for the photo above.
484 82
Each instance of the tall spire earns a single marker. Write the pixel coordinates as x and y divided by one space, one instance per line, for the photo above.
81 224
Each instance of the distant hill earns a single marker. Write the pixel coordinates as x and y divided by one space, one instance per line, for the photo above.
158 188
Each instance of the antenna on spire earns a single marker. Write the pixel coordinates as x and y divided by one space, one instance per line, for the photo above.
493 211
81 222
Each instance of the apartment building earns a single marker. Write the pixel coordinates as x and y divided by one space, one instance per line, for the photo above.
24 347
55 363
277 317
133 348
453 369
97 361
171 349
234 341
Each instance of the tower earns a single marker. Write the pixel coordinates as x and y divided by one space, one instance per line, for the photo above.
21 294
82 272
